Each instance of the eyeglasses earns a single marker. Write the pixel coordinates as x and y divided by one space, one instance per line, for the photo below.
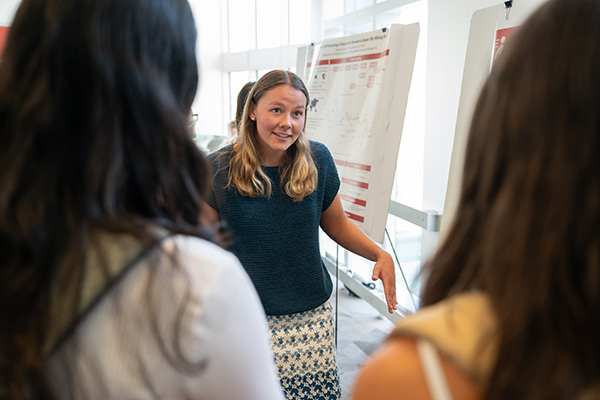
193 119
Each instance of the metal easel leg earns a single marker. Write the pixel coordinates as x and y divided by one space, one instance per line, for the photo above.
337 290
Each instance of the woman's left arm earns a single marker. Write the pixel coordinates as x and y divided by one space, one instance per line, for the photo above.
344 232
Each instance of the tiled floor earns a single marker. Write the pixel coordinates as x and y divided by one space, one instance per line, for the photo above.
361 330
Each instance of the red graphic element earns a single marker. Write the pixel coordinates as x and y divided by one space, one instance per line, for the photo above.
345 60
3 35
355 217
321 62
352 182
373 56
352 200
502 36
362 167
350 164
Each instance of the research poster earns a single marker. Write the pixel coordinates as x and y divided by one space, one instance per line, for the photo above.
359 87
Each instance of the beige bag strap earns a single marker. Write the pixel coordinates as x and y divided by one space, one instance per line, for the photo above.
434 373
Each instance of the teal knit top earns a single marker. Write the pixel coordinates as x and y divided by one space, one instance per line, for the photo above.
277 239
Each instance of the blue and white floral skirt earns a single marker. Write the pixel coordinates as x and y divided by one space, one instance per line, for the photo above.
304 350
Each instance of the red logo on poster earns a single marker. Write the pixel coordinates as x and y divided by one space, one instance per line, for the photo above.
3 36
502 36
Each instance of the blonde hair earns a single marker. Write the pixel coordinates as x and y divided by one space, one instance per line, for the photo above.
298 171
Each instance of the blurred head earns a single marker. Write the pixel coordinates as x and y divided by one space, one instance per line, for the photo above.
96 93
526 229
277 85
94 137
192 120
233 130
241 102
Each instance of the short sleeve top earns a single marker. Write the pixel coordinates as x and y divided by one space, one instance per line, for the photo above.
277 239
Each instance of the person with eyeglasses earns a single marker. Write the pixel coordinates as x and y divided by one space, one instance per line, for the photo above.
193 119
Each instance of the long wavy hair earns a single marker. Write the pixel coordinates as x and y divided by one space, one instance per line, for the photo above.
297 170
94 103
526 231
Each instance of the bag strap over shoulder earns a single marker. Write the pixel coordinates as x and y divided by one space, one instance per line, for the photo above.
434 373
106 264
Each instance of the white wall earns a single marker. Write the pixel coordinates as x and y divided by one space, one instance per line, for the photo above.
209 103
7 10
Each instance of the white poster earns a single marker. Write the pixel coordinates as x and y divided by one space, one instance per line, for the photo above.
359 88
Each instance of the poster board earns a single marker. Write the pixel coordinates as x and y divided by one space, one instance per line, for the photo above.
488 26
359 88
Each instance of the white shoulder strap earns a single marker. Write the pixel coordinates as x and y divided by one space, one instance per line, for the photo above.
432 367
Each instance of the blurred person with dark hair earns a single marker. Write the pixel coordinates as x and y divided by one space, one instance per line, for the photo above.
234 126
511 306
242 98
111 286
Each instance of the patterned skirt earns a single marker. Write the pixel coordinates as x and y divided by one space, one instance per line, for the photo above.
304 350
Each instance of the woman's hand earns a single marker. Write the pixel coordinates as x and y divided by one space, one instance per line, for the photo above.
337 226
385 270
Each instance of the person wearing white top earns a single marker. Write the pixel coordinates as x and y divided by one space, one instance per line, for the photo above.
112 286
204 296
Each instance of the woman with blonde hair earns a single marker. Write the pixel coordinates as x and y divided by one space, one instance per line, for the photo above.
272 189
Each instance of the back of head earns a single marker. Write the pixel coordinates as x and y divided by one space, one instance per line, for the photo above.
94 102
95 95
526 230
241 102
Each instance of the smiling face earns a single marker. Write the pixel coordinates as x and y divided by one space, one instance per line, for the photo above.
279 115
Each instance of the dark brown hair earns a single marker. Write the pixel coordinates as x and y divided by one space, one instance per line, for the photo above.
526 230
242 97
94 102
